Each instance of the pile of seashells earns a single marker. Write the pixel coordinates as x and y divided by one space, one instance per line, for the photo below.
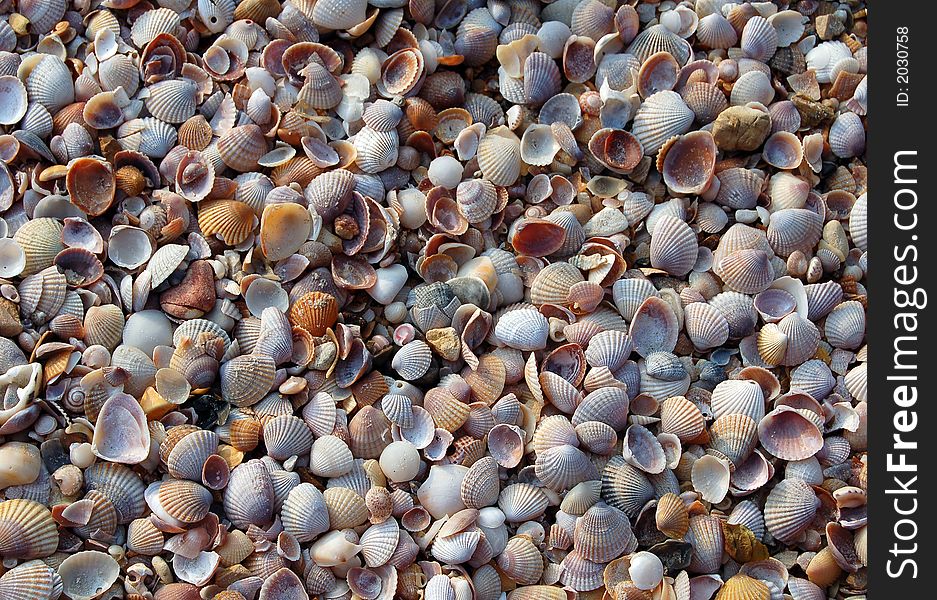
433 299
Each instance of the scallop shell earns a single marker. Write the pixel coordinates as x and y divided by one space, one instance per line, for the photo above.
499 156
625 487
687 164
706 101
789 509
847 136
658 38
413 360
671 516
304 513
27 530
189 454
706 326
748 271
41 241
824 56
662 116
714 31
172 100
541 78
794 229
752 86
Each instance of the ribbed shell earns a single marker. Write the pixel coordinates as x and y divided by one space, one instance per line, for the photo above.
658 38
562 467
413 360
682 418
759 39
246 379
50 84
230 220
186 501
738 396
522 502
304 513
330 457
662 116
241 147
845 325
673 246
671 516
172 100
377 150
789 509
499 157
625 487
747 271
152 23
186 458
28 581
847 135
27 530
542 78
794 229
286 436
714 31
706 536
705 325
249 497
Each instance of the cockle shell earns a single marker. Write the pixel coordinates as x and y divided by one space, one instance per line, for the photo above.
662 116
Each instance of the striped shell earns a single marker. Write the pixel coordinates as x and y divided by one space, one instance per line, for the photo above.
662 116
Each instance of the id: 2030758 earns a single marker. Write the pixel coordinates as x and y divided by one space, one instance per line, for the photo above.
902 65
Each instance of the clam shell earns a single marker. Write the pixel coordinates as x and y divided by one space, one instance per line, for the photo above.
85 574
759 39
625 487
738 396
13 100
48 81
602 534
562 467
845 325
706 326
714 31
753 86
706 536
241 147
27 530
522 502
285 436
172 100
246 379
499 156
187 457
654 327
413 360
662 116
641 449
706 101
521 561
789 509
847 136
330 457
671 516
249 497
788 434
658 38
304 513
122 434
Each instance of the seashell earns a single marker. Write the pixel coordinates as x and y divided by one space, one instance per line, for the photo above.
625 487
522 329
753 86
706 101
671 516
47 81
229 220
661 116
304 513
153 23
562 467
847 135
285 436
658 38
339 14
654 327
715 32
687 164
658 73
521 561
642 450
522 502
122 434
91 185
706 536
246 379
27 530
187 457
249 497
783 150
759 39
748 271
172 100
539 146
824 56
794 229
785 432
706 326
184 501
789 509
13 100
682 418
413 360
499 156
600 534
377 150
241 147
845 325
85 574
541 78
